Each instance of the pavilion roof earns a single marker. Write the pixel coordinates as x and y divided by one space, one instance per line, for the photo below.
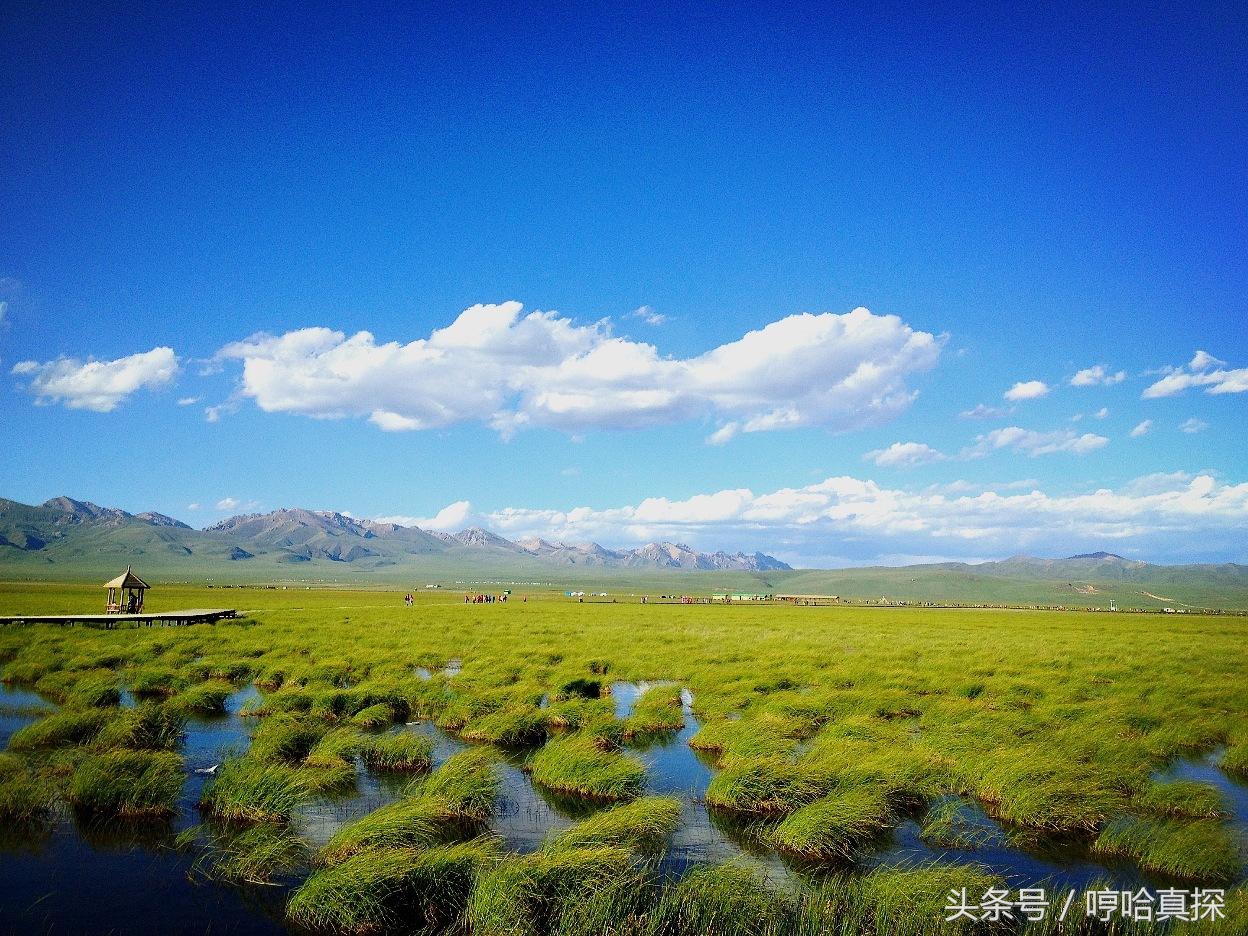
127 579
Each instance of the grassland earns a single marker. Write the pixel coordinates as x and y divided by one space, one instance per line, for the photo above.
828 726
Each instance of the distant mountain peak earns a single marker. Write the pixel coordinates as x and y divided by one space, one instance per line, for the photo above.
479 536
1101 554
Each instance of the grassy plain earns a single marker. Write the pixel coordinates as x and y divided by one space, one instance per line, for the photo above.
827 725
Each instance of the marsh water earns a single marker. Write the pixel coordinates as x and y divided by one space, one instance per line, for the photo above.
68 876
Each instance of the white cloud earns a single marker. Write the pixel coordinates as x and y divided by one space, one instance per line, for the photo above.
904 455
4 310
99 386
1142 428
513 371
1101 413
1097 376
228 503
648 315
1203 370
1164 516
981 411
1203 360
454 516
1032 443
188 401
192 506
1026 390
1193 425
214 413
724 434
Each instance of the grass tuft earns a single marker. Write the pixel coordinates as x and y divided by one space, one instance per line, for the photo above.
527 894
510 727
24 798
128 784
401 751
206 698
252 855
832 828
391 889
249 790
1197 851
578 766
148 727
643 824
1182 798
59 729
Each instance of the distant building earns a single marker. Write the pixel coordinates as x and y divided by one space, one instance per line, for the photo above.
810 599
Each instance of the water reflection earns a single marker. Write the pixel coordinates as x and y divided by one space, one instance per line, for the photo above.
18 708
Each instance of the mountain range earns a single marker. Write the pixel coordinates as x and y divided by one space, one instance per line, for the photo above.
77 541
64 529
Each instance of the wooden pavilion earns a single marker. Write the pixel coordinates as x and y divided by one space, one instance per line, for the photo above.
125 593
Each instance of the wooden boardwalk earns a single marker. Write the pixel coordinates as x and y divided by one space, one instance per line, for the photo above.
159 619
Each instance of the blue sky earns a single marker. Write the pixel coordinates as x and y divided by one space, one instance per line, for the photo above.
1014 197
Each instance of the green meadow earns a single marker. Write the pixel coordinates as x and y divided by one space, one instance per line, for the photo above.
827 728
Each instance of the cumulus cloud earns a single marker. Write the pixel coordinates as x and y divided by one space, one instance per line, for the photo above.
1026 390
1193 425
511 371
1097 376
1142 428
904 455
228 503
1033 443
454 516
1203 370
1101 413
860 519
648 315
98 386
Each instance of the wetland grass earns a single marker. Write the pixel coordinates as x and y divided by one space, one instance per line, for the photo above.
656 710
285 740
578 765
206 698
147 727
407 823
1201 850
391 889
773 785
727 900
254 854
401 751
247 790
642 825
833 827
1063 732
1182 798
466 783
527 894
127 784
59 729
509 727
374 716
24 797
